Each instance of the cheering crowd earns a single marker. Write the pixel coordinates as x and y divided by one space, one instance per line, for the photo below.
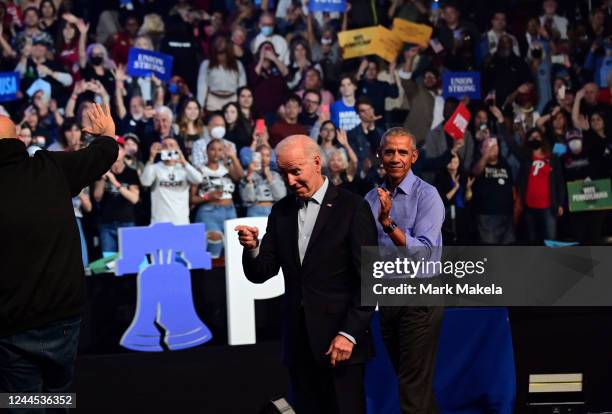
199 147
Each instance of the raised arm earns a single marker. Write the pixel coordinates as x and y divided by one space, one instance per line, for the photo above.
82 167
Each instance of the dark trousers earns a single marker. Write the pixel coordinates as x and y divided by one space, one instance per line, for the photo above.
40 360
541 224
318 389
411 338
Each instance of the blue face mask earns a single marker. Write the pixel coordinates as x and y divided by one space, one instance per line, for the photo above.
172 88
267 30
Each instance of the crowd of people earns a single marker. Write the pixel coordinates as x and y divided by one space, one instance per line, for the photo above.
200 147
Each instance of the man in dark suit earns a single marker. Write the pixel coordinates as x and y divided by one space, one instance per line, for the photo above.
315 235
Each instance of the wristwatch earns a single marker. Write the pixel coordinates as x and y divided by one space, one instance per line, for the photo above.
389 229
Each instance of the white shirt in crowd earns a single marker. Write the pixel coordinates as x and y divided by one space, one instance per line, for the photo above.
211 179
493 42
199 157
558 22
219 79
170 191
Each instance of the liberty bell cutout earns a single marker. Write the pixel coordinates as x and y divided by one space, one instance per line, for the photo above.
164 297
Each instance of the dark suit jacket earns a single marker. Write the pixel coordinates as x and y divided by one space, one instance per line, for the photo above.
327 283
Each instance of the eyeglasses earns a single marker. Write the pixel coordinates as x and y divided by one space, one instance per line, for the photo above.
308 101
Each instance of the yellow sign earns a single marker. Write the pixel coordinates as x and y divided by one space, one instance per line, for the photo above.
412 32
387 44
358 42
375 40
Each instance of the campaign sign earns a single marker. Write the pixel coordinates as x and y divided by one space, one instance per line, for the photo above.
144 63
589 195
9 85
457 124
460 84
374 40
338 6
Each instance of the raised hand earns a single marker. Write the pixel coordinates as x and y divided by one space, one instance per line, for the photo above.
82 26
470 182
342 137
119 74
101 121
155 149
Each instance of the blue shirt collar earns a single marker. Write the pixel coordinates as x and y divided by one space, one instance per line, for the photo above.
406 184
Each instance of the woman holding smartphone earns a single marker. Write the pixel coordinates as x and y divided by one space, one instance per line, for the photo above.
213 197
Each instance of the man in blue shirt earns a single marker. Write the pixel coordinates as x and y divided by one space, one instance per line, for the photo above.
410 213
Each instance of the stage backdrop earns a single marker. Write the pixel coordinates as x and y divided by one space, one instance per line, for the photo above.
475 370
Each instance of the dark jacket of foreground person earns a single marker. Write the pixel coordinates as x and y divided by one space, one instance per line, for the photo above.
41 271
327 285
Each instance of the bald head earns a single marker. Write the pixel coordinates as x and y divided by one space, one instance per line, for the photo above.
7 128
298 143
299 162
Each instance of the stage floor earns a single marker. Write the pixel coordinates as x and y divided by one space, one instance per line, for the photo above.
211 380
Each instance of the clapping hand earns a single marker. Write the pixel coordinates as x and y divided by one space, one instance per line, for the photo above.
456 182
386 202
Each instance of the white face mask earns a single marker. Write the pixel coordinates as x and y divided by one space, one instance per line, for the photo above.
217 132
326 41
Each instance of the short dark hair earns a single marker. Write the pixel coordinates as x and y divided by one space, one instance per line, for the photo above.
397 132
31 8
313 91
293 97
433 71
214 114
213 141
363 100
349 77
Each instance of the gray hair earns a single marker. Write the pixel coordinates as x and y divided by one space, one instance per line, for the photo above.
164 110
397 132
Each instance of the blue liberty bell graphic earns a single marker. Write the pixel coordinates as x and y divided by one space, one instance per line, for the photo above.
164 295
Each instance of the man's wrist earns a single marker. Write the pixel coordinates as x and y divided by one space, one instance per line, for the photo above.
384 220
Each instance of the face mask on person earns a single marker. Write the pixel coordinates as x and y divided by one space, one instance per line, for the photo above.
326 41
575 146
534 144
267 30
217 132
96 60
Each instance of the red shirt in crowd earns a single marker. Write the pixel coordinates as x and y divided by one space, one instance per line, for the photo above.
122 42
281 130
538 188
69 59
